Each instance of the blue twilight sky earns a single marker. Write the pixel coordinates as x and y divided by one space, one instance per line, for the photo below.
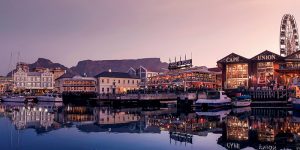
66 31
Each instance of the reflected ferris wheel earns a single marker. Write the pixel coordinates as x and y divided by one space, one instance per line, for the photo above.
289 39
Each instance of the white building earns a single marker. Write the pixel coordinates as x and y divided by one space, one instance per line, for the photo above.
39 81
116 82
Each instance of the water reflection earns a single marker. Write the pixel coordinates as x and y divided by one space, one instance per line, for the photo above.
239 127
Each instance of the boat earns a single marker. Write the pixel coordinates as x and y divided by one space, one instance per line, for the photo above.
241 101
49 98
12 98
213 99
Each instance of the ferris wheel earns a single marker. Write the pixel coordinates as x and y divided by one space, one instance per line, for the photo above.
289 39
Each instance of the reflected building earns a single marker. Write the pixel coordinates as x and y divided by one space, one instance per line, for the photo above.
109 117
237 130
79 115
34 117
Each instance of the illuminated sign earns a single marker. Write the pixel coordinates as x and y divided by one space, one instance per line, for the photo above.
233 146
180 64
266 147
232 59
266 57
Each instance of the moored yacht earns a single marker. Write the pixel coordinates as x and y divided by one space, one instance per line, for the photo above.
213 99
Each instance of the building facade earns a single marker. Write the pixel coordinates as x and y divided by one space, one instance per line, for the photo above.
142 73
116 82
36 81
266 69
194 77
76 84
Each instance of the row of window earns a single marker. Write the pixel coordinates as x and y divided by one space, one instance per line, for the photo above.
22 84
79 82
37 79
79 89
119 81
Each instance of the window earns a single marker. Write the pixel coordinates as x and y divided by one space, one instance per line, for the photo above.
236 75
107 90
132 81
102 89
123 81
128 81
102 81
119 81
107 81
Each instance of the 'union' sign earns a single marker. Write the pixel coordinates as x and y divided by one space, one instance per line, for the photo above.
266 57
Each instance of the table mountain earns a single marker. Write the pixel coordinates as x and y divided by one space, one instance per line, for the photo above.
92 68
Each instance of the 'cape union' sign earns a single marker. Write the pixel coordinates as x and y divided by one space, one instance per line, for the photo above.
266 57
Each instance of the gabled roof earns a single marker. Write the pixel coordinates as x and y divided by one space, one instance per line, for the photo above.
233 58
294 56
116 75
267 56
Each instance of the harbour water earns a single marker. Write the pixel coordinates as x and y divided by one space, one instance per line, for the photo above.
51 126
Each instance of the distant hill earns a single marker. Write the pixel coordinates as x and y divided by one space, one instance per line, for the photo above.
46 63
92 68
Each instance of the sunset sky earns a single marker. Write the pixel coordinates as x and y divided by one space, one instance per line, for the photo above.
67 31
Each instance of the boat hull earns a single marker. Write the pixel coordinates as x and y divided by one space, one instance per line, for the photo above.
213 103
241 103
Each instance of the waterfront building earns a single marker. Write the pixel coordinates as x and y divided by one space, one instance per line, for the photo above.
33 81
191 77
6 84
143 73
116 82
70 83
266 69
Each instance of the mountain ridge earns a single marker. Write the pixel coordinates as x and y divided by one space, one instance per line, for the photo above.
93 67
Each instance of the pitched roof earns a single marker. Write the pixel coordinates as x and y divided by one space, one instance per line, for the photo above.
294 56
116 75
233 58
66 75
268 56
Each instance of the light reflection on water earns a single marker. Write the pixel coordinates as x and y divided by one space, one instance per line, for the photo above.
54 126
